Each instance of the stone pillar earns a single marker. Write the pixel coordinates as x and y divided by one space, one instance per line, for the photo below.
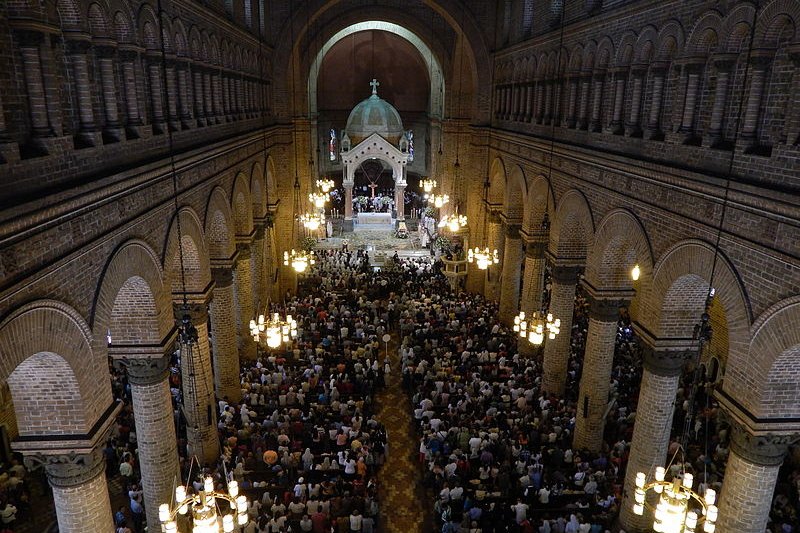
693 71
105 58
131 97
155 432
244 296
557 351
723 64
208 105
759 65
662 370
156 97
596 123
29 47
515 101
80 490
223 327
348 206
528 102
597 364
792 129
570 117
494 240
497 101
218 97
539 115
9 150
750 477
512 261
548 101
226 97
633 127
199 109
239 100
199 406
658 71
399 202
619 98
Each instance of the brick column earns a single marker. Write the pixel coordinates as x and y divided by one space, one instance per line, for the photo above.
199 406
659 387
105 58
759 64
514 101
211 118
528 102
750 476
548 101
199 109
131 97
620 77
259 298
723 64
556 351
87 131
9 150
218 97
633 127
658 71
597 364
596 123
80 490
399 202
223 327
239 100
497 101
155 432
156 97
693 71
30 50
172 95
532 282
583 107
244 296
226 90
792 129
570 117
494 240
512 261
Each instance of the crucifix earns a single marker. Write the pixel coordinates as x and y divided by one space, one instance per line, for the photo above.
374 84
372 185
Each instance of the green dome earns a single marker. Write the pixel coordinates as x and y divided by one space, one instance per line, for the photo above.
374 115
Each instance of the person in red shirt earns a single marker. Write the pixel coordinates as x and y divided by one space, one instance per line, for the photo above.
319 522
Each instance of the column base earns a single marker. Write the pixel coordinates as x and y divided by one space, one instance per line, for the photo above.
88 139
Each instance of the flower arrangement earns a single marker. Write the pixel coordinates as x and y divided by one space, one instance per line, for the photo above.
308 243
442 243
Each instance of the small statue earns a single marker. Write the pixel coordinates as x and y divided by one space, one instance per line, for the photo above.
332 145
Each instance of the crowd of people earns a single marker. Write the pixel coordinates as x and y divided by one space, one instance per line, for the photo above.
495 450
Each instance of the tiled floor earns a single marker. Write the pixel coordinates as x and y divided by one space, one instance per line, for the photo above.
405 504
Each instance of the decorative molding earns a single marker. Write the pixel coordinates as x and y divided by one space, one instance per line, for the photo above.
765 449
147 371
69 469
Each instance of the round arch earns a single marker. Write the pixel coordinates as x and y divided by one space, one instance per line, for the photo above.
436 100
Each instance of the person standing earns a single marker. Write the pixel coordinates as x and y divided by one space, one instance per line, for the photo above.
137 507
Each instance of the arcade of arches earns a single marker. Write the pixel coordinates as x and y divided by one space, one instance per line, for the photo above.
156 152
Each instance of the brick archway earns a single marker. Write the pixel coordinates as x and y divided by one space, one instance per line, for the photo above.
515 194
219 226
197 268
573 227
258 189
619 243
241 205
539 201
497 181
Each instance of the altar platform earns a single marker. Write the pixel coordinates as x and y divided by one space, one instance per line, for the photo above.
369 219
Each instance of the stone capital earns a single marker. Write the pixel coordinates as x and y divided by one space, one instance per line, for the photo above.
222 276
244 251
69 469
604 305
258 234
565 274
664 362
147 371
511 230
724 62
77 46
768 449
535 249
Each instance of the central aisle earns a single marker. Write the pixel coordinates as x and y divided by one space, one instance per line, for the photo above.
405 508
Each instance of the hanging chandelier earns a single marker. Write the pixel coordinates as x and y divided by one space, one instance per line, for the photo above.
325 185
438 200
537 326
483 258
453 222
204 509
427 185
318 199
299 260
273 332
312 221
673 513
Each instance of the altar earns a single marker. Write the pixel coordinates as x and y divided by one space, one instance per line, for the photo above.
374 218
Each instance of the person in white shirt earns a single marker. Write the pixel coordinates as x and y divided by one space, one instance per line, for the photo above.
520 511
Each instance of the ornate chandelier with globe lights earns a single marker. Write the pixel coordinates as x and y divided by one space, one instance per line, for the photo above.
273 332
453 222
299 260
535 327
483 258
427 185
318 199
204 509
325 185
680 509
312 221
